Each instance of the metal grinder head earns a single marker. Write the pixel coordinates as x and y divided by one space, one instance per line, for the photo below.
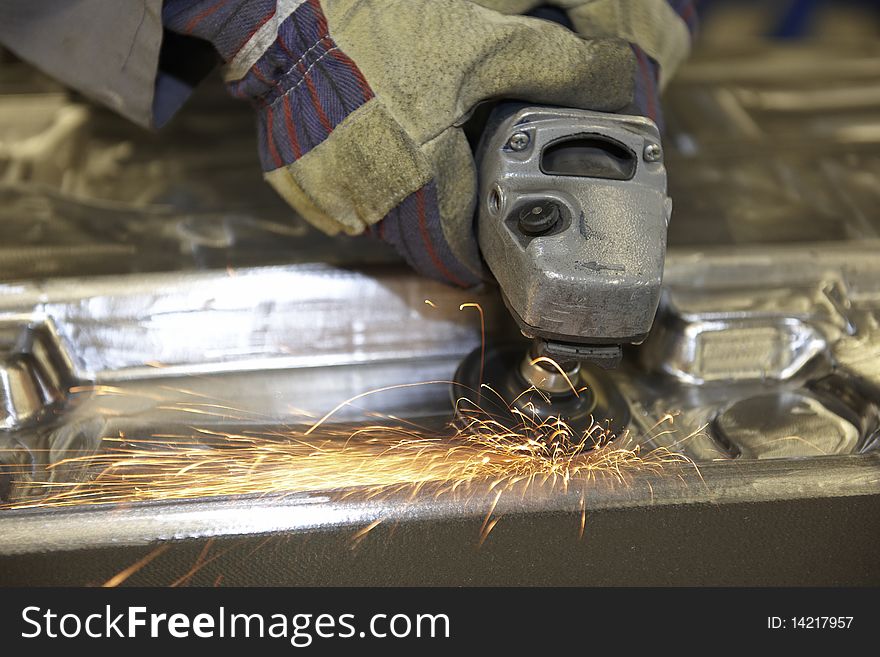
507 384
572 222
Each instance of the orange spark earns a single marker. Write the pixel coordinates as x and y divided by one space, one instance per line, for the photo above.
123 575
482 342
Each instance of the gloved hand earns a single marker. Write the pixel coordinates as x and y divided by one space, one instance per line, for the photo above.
659 32
360 103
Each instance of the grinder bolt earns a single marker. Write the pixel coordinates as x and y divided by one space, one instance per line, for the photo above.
653 152
538 218
519 141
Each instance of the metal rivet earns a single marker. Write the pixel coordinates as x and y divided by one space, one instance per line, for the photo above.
519 141
653 152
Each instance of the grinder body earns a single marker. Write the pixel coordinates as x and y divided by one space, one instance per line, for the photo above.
572 222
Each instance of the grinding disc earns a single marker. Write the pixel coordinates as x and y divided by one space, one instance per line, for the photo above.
504 387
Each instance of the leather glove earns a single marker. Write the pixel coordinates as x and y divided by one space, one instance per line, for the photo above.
360 104
659 32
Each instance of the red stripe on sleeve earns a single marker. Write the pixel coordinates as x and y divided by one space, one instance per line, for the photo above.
426 238
270 139
291 130
322 117
255 29
198 18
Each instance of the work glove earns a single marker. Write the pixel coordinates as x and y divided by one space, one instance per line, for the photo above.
360 105
659 32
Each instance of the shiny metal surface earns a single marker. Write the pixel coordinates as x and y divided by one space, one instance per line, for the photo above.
83 192
29 531
147 326
35 373
140 337
775 144
770 349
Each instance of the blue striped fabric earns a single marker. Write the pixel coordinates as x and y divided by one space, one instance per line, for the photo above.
646 93
414 228
228 24
303 86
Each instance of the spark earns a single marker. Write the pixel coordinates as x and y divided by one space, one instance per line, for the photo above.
430 303
487 530
198 565
201 561
489 522
583 523
479 309
479 450
798 439
361 533
552 363
97 390
351 400
123 575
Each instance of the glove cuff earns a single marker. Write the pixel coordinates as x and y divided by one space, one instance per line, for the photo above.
415 229
226 24
301 83
647 87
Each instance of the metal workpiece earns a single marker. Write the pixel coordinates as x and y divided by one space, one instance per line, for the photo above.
35 371
158 325
798 97
766 353
808 436
714 484
683 528
572 222
824 425
769 144
141 373
85 192
743 334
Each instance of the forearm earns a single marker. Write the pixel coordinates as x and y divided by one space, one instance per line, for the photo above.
108 51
